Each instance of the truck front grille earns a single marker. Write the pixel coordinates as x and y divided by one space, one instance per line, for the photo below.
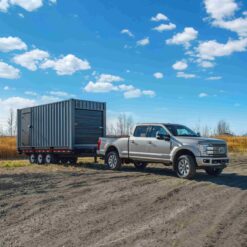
217 150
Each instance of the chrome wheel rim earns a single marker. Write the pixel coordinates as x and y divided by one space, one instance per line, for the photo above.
32 158
183 167
112 161
40 158
48 159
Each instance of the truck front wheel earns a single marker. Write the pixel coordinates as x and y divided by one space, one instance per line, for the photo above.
185 167
213 171
113 161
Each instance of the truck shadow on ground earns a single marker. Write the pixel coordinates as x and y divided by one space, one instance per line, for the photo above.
232 179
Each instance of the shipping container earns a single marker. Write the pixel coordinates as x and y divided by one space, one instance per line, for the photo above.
61 131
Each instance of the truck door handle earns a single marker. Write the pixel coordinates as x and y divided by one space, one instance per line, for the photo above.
149 142
132 141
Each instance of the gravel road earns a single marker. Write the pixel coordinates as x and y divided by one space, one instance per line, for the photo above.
87 205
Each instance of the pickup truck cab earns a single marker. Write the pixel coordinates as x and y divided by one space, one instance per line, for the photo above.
170 144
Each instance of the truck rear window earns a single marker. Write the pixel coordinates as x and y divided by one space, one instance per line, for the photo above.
141 131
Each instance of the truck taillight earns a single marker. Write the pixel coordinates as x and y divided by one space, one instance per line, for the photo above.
99 143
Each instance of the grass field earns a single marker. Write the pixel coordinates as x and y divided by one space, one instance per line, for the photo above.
236 144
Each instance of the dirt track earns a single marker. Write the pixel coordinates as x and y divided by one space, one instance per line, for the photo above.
91 206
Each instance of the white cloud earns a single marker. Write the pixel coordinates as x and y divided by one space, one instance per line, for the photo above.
159 17
149 93
128 32
67 65
21 15
220 9
60 94
143 42
210 49
125 87
4 5
31 93
181 74
180 65
238 25
245 13
32 59
103 84
206 64
158 75
8 71
53 1
202 95
6 88
134 93
214 78
11 43
12 103
45 99
183 38
165 27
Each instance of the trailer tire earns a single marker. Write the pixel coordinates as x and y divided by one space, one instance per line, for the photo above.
140 165
33 158
49 159
40 159
185 166
113 161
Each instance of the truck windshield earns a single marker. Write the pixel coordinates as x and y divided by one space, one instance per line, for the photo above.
180 130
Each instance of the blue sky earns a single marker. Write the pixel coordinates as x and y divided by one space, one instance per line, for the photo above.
161 61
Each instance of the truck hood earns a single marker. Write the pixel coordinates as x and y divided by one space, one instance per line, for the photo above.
197 140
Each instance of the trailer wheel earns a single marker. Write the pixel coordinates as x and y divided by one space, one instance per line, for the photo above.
113 161
49 159
33 158
40 159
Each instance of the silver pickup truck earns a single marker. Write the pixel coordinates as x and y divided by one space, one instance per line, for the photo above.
170 144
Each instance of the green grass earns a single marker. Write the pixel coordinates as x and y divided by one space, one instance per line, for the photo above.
13 163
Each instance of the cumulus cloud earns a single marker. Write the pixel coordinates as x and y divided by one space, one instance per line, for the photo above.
31 93
29 5
107 83
11 43
210 49
159 17
32 59
214 78
221 9
60 94
128 32
205 64
181 74
165 27
143 42
158 75
180 65
67 65
202 95
189 34
8 71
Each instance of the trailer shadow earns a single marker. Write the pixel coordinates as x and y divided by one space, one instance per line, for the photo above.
234 180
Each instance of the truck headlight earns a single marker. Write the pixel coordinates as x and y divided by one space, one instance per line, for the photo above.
205 149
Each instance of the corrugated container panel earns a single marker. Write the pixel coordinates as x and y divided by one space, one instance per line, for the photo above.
61 125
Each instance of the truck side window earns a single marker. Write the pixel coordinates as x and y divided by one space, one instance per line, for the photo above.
155 129
141 131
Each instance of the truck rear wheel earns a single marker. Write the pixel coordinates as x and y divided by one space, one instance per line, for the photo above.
213 171
33 158
140 165
113 161
40 159
185 167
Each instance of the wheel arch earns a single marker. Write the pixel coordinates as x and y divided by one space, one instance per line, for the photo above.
110 149
180 152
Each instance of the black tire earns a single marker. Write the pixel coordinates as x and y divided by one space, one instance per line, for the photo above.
41 159
113 161
33 158
73 160
185 166
49 159
213 171
140 165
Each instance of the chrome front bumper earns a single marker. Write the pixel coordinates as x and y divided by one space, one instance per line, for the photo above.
208 161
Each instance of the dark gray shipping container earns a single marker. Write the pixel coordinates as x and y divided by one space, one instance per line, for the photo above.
73 125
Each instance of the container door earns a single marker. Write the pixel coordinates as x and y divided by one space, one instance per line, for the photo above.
89 126
25 128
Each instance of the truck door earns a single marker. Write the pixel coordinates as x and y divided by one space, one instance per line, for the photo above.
138 143
158 150
25 128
